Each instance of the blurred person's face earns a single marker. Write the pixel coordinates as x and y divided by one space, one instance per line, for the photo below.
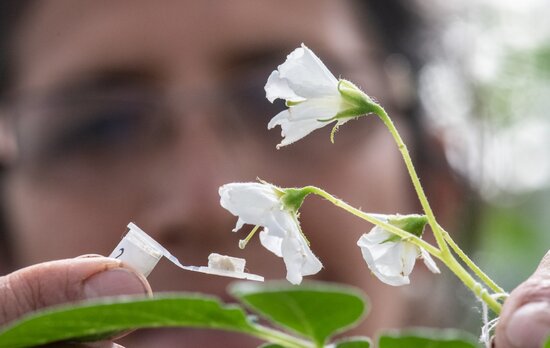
139 111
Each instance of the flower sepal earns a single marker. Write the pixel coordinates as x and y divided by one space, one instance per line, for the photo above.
293 198
412 223
361 103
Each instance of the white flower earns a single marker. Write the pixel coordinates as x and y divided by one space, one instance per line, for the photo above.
314 96
261 204
390 258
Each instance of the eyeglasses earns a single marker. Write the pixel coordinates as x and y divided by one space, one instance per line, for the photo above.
85 135
93 136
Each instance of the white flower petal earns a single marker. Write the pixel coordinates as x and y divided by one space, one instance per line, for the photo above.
392 259
377 235
251 202
277 87
409 253
239 225
317 108
271 243
428 261
299 260
383 258
306 74
293 130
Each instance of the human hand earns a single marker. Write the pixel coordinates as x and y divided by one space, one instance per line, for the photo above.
525 317
63 281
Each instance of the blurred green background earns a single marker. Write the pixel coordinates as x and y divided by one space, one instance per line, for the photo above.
486 92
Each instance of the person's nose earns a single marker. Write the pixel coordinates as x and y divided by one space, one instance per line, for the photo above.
184 198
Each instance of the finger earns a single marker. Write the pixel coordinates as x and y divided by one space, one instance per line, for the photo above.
62 281
525 318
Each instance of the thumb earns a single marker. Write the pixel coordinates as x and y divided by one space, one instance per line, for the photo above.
525 318
62 281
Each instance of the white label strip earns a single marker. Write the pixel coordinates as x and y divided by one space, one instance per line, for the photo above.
142 252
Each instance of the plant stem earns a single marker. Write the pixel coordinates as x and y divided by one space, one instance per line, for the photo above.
441 236
447 258
373 220
414 177
478 289
281 338
478 272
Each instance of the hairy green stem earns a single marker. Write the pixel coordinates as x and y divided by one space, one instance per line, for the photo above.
447 258
475 268
478 289
442 237
414 177
375 221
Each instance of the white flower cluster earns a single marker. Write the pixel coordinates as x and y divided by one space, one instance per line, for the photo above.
314 98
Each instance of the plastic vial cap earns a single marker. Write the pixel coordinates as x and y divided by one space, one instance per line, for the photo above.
138 250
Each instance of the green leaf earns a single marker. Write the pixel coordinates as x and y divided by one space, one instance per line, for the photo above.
353 342
270 345
427 338
547 344
103 317
315 310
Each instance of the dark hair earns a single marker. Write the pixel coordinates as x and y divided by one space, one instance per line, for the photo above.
11 11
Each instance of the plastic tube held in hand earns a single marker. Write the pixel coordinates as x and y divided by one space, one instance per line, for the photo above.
143 253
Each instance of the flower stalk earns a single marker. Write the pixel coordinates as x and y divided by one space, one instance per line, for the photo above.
447 258
374 220
315 98
442 237
475 268
466 278
384 117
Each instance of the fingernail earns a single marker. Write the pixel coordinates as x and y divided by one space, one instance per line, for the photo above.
529 326
113 282
88 256
103 345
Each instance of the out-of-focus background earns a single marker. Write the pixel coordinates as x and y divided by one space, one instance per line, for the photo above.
486 93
